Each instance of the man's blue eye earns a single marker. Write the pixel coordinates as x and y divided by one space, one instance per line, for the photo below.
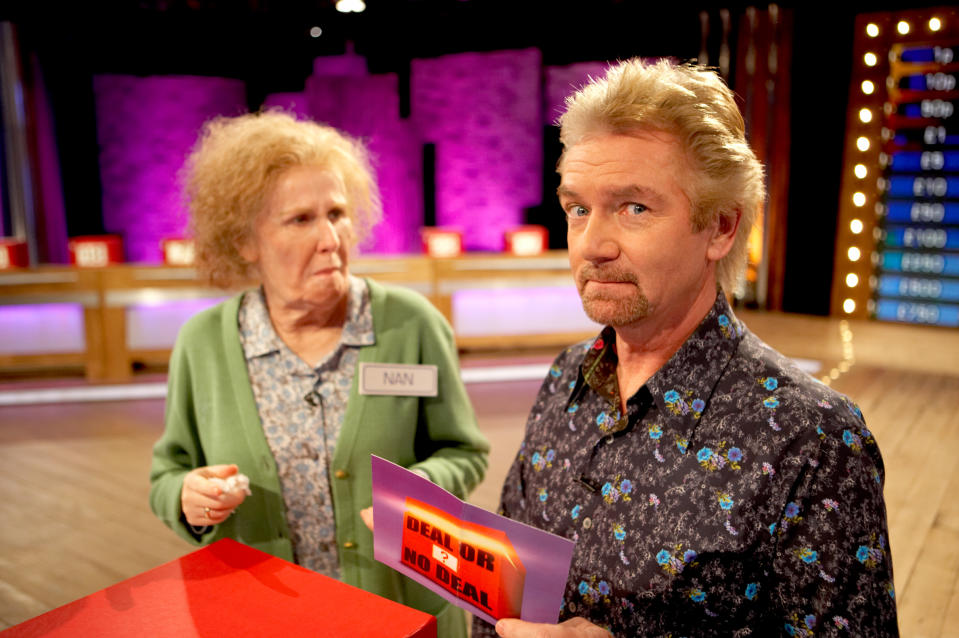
636 209
577 211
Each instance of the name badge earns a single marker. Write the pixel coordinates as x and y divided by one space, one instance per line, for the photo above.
397 379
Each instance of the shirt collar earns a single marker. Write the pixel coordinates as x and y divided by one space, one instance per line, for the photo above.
256 331
358 329
259 338
681 389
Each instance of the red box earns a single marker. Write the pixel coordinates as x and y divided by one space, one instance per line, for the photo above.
527 240
94 251
13 253
442 242
178 251
229 590
475 563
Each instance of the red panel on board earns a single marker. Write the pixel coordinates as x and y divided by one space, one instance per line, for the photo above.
228 589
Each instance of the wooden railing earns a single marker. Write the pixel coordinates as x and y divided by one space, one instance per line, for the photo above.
106 294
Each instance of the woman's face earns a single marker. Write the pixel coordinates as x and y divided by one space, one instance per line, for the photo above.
301 241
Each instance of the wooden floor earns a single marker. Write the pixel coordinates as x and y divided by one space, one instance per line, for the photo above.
73 478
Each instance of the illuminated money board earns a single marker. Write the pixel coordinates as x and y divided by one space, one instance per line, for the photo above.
897 245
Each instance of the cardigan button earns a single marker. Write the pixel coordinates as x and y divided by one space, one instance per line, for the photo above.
349 545
341 474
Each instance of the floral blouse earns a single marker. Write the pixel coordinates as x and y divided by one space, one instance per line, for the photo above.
302 408
736 497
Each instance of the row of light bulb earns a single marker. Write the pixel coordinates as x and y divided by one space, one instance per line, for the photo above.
856 226
903 27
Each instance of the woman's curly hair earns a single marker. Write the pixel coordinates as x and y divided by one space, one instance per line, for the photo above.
235 164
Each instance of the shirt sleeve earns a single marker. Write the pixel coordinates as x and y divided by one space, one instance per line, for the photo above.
832 568
177 452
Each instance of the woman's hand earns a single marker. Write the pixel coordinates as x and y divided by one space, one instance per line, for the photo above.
572 628
205 503
367 516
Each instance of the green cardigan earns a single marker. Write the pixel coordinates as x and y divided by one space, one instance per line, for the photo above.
211 418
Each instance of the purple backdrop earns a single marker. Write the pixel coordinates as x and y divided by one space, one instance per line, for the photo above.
562 81
146 127
341 93
484 112
368 107
50 213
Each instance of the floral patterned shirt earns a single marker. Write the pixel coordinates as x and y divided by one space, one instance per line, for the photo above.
736 497
302 408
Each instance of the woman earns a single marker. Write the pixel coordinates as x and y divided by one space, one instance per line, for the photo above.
266 383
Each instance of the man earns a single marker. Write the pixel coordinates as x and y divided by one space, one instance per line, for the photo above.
712 488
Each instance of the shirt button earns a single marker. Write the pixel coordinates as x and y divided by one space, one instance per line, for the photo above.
610 439
349 545
341 474
571 607
587 522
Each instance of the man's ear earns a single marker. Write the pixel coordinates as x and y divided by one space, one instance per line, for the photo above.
724 232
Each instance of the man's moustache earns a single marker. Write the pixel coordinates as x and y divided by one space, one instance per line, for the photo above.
605 275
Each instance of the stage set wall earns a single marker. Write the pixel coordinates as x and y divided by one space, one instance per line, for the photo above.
484 113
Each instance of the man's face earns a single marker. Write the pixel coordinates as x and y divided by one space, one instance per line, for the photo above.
632 248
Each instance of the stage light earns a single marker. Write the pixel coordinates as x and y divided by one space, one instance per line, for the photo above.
856 226
849 306
852 280
350 6
865 116
861 171
902 27
935 24
853 253
862 143
868 87
872 29
859 199
316 32
870 59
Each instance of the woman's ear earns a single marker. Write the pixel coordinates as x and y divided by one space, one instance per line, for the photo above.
248 250
724 231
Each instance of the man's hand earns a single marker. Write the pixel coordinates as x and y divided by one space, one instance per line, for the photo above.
572 628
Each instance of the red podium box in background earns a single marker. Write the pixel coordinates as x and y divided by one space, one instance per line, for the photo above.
442 243
229 590
524 241
94 251
178 251
13 253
